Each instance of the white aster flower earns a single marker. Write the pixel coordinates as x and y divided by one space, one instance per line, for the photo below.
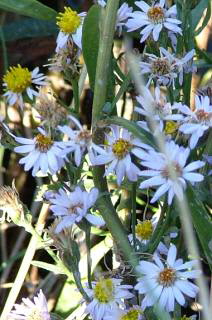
19 80
161 110
70 24
166 68
72 207
122 15
121 145
36 309
134 313
152 19
42 153
79 142
198 121
163 283
158 169
107 295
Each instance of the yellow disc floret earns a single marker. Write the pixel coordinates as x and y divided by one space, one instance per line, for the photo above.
68 21
156 14
121 147
170 127
132 315
104 290
43 143
144 230
17 79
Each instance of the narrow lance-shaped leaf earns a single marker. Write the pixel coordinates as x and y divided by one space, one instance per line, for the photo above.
31 8
90 41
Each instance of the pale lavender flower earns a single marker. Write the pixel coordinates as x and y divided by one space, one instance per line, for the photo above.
36 309
164 283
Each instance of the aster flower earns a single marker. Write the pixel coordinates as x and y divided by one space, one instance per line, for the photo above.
19 80
152 19
158 169
72 207
70 24
121 145
198 121
79 142
166 282
36 309
107 295
166 68
122 15
161 110
134 313
42 153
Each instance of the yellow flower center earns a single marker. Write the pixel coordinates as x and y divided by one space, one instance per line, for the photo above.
121 147
104 290
144 230
43 143
156 14
161 66
35 314
68 21
203 116
17 79
131 315
170 127
167 277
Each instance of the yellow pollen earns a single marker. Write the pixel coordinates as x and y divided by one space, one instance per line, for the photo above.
161 67
170 127
43 143
203 116
104 290
17 79
121 147
156 14
167 277
132 315
35 314
68 21
144 229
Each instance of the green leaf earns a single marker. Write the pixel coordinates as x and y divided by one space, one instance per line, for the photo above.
205 21
29 28
31 8
202 223
47 266
197 12
90 41
137 131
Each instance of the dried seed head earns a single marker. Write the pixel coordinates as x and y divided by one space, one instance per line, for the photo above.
10 203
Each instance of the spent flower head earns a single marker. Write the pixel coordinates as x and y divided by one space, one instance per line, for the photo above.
19 80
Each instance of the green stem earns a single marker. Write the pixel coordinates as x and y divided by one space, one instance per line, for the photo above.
134 186
104 204
88 245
